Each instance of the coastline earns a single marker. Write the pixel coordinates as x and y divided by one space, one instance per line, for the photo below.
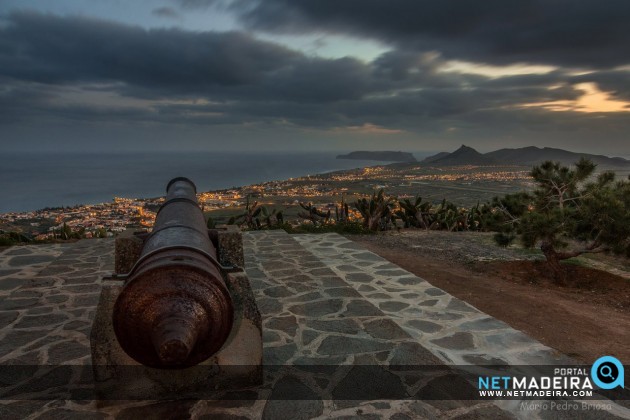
34 181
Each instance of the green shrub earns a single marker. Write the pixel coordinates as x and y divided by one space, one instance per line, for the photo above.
6 241
504 239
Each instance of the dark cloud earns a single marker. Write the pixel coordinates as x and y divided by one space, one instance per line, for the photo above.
50 49
57 69
24 102
199 4
165 12
169 63
20 101
585 33
317 80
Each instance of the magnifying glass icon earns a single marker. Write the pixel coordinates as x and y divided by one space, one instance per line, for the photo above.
606 372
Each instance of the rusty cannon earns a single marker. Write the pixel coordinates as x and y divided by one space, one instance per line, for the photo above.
174 309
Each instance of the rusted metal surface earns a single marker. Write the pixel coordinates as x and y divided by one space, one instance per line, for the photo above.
175 310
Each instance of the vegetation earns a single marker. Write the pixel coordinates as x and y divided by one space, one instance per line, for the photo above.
314 215
446 216
13 238
56 234
254 217
376 211
342 212
570 212
566 215
416 213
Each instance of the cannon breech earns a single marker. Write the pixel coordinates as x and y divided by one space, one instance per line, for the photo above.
175 310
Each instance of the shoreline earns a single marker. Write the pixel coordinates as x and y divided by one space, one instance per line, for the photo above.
78 178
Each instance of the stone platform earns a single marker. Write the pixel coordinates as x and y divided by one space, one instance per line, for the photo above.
335 315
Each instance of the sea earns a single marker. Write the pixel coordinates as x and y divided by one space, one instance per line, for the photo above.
31 181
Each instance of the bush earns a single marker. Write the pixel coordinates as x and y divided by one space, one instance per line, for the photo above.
6 241
569 213
503 239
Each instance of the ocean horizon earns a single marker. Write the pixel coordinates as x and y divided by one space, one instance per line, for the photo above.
32 180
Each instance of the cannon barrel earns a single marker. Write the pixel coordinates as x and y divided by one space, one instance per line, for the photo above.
174 310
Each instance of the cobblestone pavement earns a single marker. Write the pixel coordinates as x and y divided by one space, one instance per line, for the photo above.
313 317
450 328
46 312
23 262
335 313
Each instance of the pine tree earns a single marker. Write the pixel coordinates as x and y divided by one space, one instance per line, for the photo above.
566 210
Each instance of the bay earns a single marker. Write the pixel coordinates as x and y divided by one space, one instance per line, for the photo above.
30 181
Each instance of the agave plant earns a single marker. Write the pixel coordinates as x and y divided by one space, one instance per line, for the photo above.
448 216
473 218
377 211
314 214
342 211
272 217
416 213
249 217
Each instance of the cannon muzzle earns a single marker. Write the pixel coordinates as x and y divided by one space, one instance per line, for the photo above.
174 310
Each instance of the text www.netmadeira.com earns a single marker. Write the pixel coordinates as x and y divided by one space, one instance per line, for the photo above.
534 393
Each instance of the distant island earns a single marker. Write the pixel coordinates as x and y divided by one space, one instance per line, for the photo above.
387 156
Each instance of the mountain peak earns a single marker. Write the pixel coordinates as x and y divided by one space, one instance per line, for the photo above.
464 148
530 155
463 156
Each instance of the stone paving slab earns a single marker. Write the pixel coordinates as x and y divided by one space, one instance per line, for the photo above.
25 261
48 309
324 301
46 317
451 329
312 316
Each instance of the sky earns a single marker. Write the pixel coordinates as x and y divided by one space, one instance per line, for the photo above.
314 75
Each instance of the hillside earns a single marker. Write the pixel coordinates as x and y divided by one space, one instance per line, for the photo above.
533 155
463 156
435 157
387 156
520 156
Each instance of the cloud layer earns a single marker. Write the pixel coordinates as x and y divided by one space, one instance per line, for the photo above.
584 33
75 69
